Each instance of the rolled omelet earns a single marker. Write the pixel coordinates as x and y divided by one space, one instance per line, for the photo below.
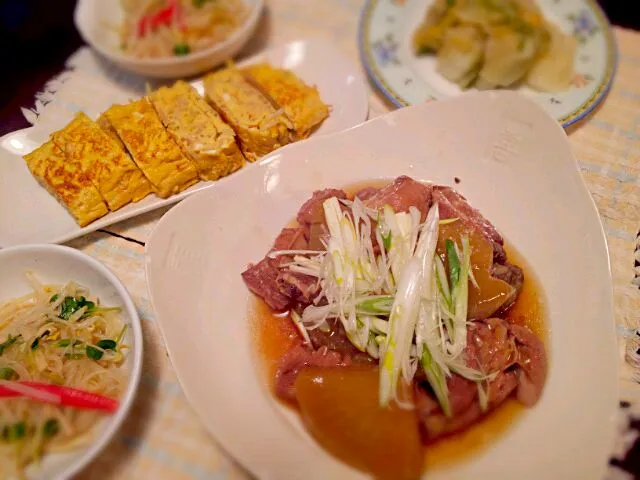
300 102
103 161
259 126
198 129
105 124
63 177
151 147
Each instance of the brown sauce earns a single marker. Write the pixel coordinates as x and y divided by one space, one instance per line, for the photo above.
274 334
529 311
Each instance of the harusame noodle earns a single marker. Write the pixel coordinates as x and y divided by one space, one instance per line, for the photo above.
164 28
56 335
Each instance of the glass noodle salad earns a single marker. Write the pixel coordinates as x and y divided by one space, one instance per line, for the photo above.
165 28
403 304
60 358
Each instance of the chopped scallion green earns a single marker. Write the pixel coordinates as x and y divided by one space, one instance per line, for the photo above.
51 428
386 239
454 263
107 344
16 431
70 305
10 341
376 305
121 335
181 49
36 342
7 373
93 353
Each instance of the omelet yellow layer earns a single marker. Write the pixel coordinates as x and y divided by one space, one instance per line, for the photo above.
198 129
259 126
63 177
105 125
300 102
151 147
110 169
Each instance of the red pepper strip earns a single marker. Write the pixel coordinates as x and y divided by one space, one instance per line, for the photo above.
143 25
161 17
69 397
180 17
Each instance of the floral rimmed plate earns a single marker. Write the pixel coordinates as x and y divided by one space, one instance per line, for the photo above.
386 28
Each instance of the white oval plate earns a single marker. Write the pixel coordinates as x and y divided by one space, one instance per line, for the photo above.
515 165
29 214
387 26
95 20
58 265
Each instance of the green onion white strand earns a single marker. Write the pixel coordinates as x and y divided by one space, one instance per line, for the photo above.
400 305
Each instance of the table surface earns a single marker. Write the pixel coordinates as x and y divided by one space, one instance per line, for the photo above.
162 437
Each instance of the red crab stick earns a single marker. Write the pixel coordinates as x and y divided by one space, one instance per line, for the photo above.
164 16
59 395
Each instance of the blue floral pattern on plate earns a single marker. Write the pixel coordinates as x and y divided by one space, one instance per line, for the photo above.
385 50
584 26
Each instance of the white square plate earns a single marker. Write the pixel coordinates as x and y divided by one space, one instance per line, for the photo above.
515 166
29 214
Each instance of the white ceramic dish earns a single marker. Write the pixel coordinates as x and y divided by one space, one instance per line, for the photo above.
95 20
59 265
385 36
515 165
29 214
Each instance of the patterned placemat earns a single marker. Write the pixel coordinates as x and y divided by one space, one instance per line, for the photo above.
162 438
636 262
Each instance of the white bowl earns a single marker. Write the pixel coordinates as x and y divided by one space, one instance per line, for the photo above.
59 264
96 19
